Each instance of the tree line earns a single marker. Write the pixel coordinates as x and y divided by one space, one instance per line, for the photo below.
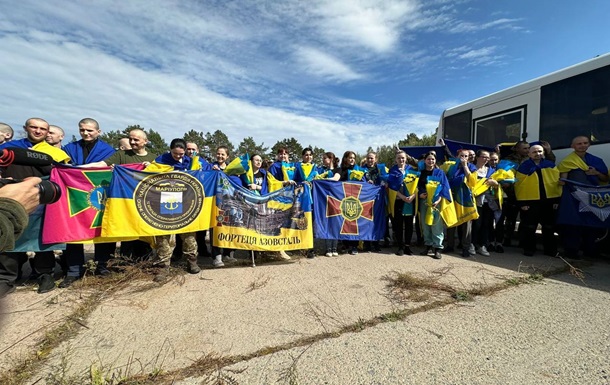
208 142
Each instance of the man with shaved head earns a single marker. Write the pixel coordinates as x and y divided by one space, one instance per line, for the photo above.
6 133
36 130
585 168
136 154
55 136
89 149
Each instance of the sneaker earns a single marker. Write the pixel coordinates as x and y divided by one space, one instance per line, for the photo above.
329 254
354 251
283 255
218 261
230 257
483 251
335 254
400 252
471 250
310 254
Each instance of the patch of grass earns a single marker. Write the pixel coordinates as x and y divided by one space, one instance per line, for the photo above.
407 287
462 296
258 283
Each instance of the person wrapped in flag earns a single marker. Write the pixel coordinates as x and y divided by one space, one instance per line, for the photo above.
462 178
402 195
435 205
538 191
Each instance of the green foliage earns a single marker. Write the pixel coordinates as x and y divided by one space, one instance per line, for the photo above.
218 138
249 146
386 154
413 140
293 146
195 137
317 154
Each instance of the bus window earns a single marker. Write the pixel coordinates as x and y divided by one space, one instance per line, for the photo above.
457 127
576 106
500 128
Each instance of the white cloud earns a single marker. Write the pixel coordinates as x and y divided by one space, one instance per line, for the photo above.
324 65
375 25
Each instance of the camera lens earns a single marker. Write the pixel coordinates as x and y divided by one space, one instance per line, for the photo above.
49 192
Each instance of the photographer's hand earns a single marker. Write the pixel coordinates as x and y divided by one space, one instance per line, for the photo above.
26 193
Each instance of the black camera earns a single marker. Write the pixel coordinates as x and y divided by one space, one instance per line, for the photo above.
50 192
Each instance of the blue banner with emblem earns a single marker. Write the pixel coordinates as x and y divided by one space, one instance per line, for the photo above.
348 210
584 205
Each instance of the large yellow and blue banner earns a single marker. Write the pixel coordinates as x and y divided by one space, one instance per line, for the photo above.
280 220
141 203
349 210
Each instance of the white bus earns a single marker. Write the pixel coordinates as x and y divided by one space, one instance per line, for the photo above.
555 107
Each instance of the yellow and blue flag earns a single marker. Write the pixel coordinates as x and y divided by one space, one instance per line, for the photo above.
141 203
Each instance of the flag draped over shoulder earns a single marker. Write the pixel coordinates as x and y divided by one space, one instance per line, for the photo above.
280 220
438 187
349 210
238 166
584 205
77 215
141 203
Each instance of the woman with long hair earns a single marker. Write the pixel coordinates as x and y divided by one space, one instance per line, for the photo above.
482 227
348 163
404 204
432 187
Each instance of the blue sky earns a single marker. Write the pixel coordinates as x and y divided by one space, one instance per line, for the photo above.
340 75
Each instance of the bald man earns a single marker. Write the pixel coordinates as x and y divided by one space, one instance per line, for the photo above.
55 136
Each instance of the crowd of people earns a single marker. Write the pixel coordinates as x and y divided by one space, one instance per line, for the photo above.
530 191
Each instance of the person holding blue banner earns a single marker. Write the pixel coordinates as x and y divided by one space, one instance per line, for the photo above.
327 167
402 184
176 157
222 155
377 174
538 190
348 171
586 169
